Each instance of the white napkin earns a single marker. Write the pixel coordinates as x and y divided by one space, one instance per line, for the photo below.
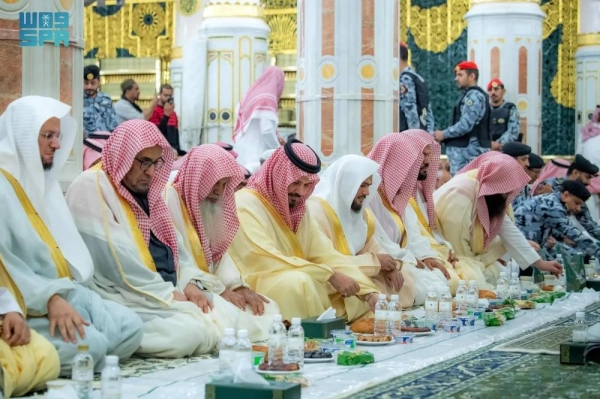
327 315
243 372
66 392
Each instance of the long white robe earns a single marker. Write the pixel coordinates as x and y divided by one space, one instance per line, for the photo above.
260 136
113 330
417 245
225 275
171 328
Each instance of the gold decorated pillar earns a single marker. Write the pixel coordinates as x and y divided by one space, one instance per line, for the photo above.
348 70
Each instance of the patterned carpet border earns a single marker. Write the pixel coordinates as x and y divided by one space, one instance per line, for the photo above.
470 370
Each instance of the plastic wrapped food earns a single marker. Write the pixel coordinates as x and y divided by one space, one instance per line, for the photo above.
526 304
508 313
355 358
493 319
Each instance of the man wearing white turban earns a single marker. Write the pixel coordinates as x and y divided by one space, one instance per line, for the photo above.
43 253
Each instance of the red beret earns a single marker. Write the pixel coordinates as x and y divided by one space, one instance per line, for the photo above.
465 65
495 83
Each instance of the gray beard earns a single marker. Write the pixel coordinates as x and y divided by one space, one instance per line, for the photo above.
212 217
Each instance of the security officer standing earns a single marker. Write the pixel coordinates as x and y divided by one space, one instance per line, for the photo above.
470 133
98 112
544 216
506 127
415 108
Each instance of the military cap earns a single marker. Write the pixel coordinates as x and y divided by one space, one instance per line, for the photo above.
535 161
577 189
465 65
516 149
91 72
495 83
583 165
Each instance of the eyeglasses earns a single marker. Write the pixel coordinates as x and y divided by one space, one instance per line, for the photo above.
51 136
145 165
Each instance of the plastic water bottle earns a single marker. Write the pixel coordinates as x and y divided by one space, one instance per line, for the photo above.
472 295
580 328
394 316
461 297
83 372
276 343
295 343
431 304
243 349
111 379
561 261
446 305
227 352
514 288
502 286
381 316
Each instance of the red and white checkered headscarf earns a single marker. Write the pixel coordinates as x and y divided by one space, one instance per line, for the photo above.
263 95
92 148
428 185
118 157
276 174
497 173
204 166
399 157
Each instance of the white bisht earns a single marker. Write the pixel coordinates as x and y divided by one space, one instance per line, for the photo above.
117 236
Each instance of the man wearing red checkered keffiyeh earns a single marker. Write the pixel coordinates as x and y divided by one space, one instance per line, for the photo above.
401 157
139 259
279 249
202 204
473 214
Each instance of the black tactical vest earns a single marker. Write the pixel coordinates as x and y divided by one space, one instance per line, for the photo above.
481 130
422 93
500 116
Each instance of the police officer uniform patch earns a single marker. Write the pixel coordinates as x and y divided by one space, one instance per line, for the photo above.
469 102
501 120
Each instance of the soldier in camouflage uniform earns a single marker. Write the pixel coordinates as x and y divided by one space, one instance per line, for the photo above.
583 171
547 215
470 134
98 112
415 107
536 163
506 125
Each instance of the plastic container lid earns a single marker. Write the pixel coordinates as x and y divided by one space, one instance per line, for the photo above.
112 360
229 332
277 317
395 298
580 315
296 321
382 297
242 333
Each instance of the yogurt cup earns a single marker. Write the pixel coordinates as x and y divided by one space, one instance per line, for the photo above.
346 340
451 327
467 321
526 282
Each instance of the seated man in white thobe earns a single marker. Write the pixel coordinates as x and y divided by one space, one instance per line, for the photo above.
340 204
202 204
474 214
43 252
400 158
140 260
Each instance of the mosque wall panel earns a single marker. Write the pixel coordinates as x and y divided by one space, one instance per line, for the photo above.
11 58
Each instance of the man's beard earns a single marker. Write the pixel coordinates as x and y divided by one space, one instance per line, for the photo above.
47 165
422 175
496 204
212 217
293 199
580 180
356 207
